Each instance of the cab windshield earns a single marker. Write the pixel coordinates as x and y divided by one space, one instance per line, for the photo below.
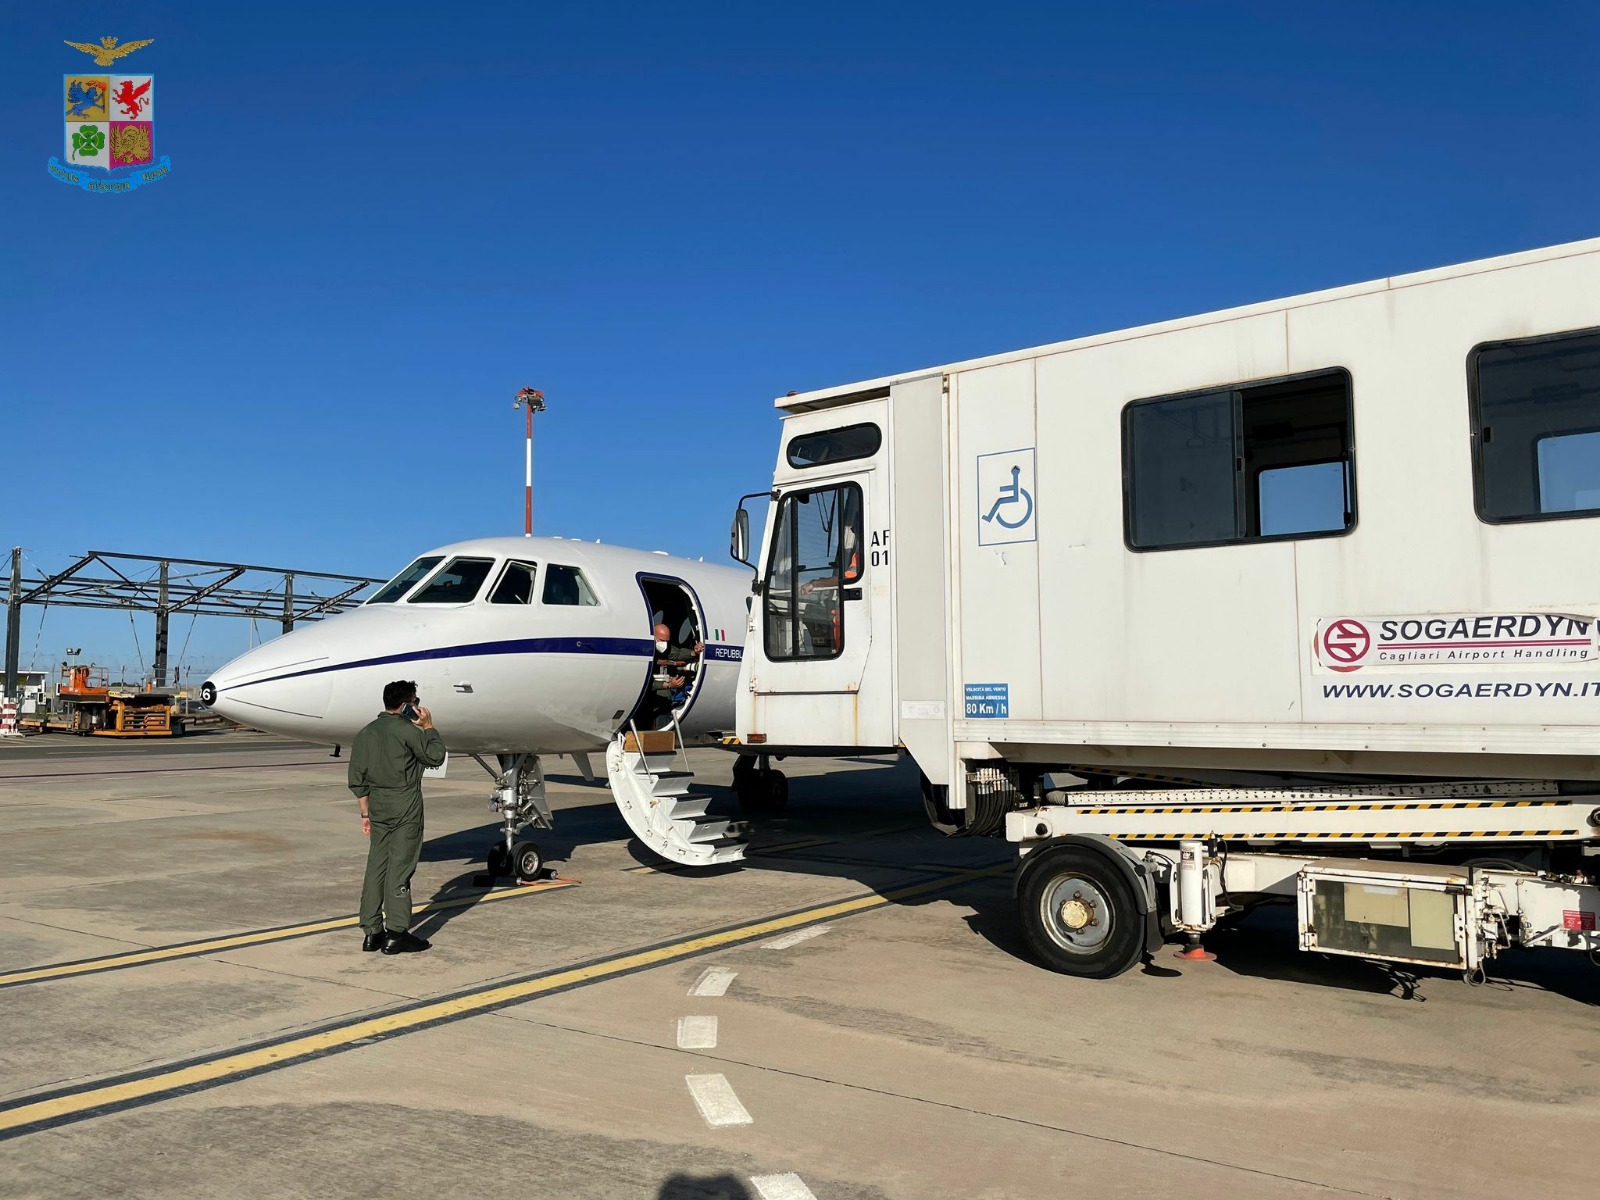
406 580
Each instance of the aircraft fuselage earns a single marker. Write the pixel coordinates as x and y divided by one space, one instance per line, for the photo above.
548 660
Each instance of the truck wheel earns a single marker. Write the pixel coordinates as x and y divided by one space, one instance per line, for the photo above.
750 793
936 803
762 792
1079 914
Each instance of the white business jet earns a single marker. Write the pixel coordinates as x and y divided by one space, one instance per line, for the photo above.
523 647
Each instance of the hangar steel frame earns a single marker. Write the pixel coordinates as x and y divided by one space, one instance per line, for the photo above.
109 579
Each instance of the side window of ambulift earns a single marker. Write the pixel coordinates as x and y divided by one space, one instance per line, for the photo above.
1260 461
1536 427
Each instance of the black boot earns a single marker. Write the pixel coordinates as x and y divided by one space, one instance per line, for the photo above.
404 943
373 941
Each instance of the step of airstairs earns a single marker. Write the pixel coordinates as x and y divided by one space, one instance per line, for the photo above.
653 788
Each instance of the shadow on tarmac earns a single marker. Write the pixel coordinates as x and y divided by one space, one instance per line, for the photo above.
1262 946
840 808
431 923
574 828
704 1187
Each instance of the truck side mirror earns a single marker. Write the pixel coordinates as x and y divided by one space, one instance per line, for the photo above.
739 537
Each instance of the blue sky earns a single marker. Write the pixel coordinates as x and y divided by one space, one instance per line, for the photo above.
301 348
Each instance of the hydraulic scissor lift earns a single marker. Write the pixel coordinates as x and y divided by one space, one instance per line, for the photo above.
1445 874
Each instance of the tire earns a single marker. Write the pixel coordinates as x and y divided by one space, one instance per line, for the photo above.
759 792
527 860
1079 914
750 793
496 859
747 787
935 802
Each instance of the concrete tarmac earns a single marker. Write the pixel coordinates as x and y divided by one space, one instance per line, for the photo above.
868 1023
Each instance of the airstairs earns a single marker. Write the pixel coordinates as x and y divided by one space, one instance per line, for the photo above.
653 787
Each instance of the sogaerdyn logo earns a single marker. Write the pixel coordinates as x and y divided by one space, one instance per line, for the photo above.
110 124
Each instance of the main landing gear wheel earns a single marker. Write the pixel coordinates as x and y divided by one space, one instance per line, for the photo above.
1079 914
527 860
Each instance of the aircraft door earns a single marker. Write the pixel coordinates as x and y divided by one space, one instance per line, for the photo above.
820 634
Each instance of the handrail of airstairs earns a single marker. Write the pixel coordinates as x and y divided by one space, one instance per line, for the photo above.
677 736
643 767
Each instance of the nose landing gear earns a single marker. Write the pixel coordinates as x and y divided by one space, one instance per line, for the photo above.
519 798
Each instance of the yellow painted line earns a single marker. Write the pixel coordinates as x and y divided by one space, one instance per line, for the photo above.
112 962
179 1078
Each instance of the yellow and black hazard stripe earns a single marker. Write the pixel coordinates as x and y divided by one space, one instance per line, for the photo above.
1369 806
1348 836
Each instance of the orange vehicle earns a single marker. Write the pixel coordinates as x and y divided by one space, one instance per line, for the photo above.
87 682
94 708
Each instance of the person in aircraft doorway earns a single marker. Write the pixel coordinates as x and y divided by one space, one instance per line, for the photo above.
386 764
671 673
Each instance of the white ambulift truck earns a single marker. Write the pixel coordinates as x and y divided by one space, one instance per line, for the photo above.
1296 601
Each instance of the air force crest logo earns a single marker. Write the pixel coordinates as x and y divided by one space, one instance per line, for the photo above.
110 116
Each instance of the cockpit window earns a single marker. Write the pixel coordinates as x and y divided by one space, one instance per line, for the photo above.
516 584
406 580
456 584
566 585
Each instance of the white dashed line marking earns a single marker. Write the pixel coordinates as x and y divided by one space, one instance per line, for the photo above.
713 982
782 1187
795 938
697 1033
713 1096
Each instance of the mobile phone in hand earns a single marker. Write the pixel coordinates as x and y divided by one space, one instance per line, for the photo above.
409 712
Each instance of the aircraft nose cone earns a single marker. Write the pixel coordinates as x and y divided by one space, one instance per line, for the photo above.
283 686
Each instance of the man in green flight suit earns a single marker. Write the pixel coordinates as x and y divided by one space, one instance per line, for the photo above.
386 763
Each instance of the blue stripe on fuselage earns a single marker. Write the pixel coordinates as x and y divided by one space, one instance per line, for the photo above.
625 647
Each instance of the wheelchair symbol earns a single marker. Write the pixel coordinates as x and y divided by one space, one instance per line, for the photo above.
1013 493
